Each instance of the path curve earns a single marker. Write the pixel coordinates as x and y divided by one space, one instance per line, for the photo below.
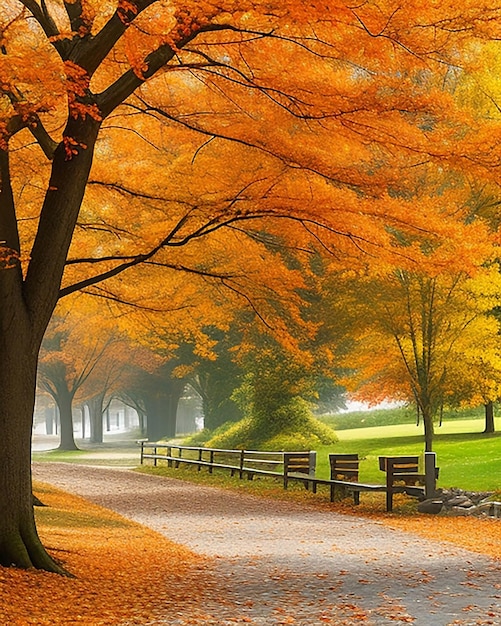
282 563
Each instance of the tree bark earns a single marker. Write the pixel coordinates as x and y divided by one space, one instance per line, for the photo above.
19 541
489 418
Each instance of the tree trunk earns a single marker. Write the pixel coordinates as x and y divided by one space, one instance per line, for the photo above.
51 420
95 406
429 429
64 401
19 541
489 418
161 412
25 310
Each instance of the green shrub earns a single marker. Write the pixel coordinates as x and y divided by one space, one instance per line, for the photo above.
249 434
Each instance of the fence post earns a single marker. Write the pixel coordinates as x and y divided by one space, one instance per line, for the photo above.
312 463
242 461
430 474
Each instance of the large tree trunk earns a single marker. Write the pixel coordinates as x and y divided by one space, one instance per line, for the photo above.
19 541
25 310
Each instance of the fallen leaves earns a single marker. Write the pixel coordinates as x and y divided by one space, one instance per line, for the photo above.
481 535
125 573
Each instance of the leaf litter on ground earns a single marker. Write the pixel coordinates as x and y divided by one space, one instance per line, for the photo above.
126 573
123 572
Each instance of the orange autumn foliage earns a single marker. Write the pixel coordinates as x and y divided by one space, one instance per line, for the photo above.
176 133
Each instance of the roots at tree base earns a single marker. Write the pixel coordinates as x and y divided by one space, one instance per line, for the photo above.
25 551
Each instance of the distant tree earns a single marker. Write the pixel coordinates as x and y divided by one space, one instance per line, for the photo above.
216 378
419 338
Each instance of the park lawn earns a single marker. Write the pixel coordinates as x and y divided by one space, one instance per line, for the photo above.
467 458
124 573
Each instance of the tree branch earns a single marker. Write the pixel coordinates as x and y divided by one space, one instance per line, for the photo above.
74 12
89 53
149 110
125 86
45 141
42 17
9 234
108 295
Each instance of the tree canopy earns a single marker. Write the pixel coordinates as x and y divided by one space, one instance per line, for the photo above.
192 137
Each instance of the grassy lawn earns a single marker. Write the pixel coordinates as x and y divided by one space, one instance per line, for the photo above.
467 458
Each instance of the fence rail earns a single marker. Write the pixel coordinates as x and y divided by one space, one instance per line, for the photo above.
401 473
286 465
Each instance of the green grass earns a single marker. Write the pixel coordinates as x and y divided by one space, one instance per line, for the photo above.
128 455
466 457
392 416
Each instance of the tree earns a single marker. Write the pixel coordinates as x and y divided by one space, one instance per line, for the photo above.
215 379
81 354
74 72
421 339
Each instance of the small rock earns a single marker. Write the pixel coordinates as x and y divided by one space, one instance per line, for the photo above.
458 501
461 511
430 506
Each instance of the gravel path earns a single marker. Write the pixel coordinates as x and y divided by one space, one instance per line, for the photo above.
282 563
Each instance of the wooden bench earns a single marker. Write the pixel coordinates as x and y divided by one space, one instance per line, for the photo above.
299 466
344 478
402 476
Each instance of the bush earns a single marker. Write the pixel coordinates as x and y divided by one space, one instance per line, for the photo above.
248 434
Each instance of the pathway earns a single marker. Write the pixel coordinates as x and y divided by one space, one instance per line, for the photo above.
282 563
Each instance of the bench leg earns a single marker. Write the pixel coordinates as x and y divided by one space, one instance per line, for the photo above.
389 500
356 497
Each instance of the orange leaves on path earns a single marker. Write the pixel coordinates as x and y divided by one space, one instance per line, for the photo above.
473 533
124 572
